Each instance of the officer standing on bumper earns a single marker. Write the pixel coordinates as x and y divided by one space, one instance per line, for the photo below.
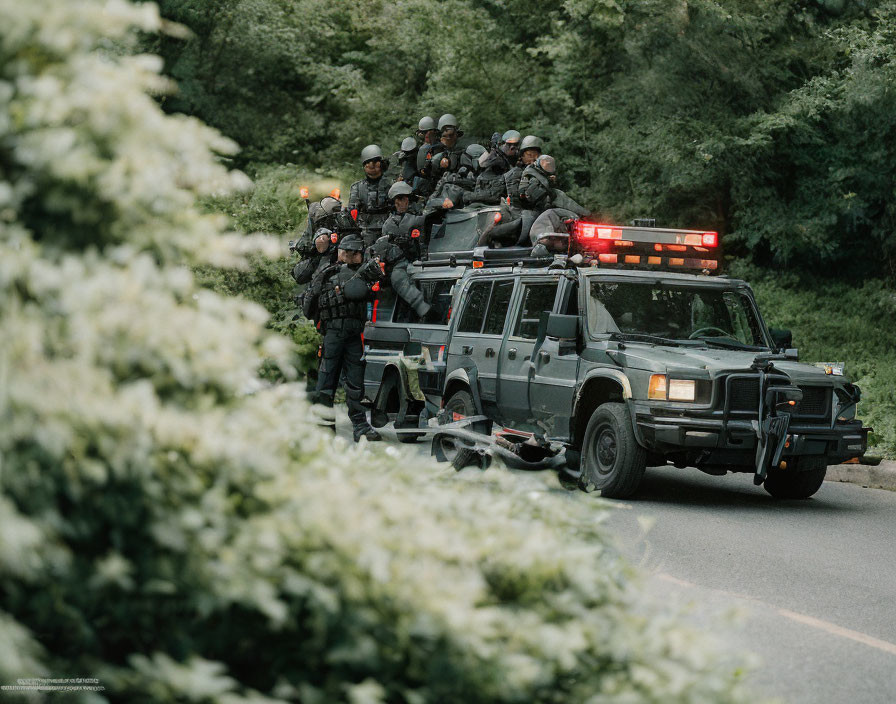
338 296
368 200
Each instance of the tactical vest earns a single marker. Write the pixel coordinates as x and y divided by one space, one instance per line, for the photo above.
334 305
372 202
399 229
512 185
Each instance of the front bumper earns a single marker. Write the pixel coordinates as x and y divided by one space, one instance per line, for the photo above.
731 437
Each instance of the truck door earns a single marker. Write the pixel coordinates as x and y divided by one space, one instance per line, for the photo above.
556 368
480 329
536 297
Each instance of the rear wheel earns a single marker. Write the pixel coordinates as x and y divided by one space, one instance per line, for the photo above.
449 448
612 459
799 481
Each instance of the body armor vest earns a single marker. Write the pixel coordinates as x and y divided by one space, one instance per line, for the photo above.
333 304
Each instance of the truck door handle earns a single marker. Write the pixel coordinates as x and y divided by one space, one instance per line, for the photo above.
489 351
511 353
544 356
467 349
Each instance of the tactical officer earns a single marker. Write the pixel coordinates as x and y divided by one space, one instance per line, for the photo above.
490 186
338 298
538 192
433 162
368 199
402 243
454 189
329 214
530 150
322 256
427 134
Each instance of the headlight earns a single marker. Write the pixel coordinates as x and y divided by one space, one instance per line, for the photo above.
663 389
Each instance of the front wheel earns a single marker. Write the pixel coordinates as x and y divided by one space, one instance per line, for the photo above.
451 449
612 459
798 482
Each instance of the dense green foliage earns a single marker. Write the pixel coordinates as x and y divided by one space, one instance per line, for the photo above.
773 121
830 323
179 530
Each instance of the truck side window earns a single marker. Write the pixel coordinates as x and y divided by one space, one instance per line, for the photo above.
498 308
436 292
537 298
474 311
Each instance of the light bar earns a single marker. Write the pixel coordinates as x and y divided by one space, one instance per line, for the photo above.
646 246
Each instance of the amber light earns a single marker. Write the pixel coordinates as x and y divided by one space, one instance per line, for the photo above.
608 233
477 264
335 193
608 258
656 390
632 259
675 261
303 191
675 248
624 243
654 260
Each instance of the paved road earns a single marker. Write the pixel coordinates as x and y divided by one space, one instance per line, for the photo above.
814 580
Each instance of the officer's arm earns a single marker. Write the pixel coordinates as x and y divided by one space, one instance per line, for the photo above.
354 196
561 200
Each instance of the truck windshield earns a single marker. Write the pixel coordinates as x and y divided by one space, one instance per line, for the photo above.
666 312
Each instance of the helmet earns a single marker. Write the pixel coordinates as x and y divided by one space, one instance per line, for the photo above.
547 164
447 120
399 188
474 151
371 152
408 144
510 136
530 141
323 231
426 124
351 243
330 205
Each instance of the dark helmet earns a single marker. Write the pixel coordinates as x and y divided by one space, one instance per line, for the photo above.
511 136
399 188
426 124
324 231
351 243
371 152
408 144
546 164
530 141
330 205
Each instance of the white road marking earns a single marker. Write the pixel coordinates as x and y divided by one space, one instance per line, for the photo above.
818 623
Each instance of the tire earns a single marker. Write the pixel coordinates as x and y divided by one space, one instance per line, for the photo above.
389 401
798 482
460 402
612 459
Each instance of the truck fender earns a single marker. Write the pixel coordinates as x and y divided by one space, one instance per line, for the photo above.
470 377
622 380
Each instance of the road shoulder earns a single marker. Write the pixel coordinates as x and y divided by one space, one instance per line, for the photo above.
883 476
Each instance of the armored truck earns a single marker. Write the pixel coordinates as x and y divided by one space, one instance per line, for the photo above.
625 350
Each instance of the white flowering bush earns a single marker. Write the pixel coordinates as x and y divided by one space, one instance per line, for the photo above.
178 530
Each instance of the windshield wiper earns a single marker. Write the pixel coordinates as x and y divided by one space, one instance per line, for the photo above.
729 343
643 337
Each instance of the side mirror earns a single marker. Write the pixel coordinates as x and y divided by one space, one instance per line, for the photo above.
563 327
782 339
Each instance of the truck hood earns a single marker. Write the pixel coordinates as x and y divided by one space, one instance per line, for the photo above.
709 363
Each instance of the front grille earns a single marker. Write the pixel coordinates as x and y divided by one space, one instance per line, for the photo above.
816 402
743 397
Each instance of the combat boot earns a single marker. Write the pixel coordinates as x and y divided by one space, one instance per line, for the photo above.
365 431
